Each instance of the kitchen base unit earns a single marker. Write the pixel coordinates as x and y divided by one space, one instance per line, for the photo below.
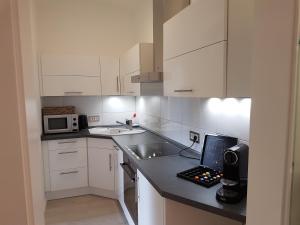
154 209
80 166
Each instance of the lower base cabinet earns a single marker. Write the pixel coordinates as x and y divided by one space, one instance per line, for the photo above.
151 205
156 210
101 164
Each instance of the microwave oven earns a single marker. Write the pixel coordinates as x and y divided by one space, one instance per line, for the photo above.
65 123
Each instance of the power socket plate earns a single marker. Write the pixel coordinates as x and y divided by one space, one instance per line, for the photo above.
194 134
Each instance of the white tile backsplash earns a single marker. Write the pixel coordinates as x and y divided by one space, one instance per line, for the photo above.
110 109
170 116
207 116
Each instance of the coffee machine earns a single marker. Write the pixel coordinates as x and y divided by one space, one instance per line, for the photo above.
235 174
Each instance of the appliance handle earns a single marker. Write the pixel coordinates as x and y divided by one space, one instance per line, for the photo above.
184 90
129 171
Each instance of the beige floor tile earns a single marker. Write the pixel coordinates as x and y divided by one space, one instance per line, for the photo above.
84 210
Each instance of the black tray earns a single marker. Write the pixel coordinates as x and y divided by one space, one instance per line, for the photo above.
202 175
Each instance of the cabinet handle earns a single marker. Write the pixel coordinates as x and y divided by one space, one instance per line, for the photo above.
131 92
71 172
66 142
184 90
110 162
73 92
63 153
118 86
116 147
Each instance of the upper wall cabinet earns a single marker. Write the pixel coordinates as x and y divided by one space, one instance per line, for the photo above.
110 75
70 75
195 51
138 59
207 50
199 25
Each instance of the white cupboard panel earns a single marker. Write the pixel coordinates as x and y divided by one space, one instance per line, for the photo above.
68 158
68 179
201 73
71 86
151 205
131 89
67 144
101 168
110 75
70 65
201 24
101 143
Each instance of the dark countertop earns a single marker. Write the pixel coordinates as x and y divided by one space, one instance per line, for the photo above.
161 173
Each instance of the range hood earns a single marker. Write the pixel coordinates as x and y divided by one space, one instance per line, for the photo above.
155 76
162 11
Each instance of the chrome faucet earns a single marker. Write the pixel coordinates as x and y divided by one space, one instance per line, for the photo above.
128 124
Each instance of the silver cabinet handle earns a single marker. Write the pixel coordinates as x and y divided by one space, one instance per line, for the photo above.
110 162
66 142
63 153
73 92
131 92
118 86
71 172
116 147
184 90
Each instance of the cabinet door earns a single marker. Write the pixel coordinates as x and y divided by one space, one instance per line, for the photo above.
151 205
71 86
201 73
68 179
101 168
131 89
199 25
70 65
110 78
130 60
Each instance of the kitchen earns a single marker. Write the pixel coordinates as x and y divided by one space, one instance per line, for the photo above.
134 96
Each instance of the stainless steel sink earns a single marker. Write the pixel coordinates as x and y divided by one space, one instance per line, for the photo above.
107 131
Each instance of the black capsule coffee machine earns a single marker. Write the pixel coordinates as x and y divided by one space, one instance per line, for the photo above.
235 174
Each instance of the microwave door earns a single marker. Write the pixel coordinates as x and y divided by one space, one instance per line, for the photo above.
54 124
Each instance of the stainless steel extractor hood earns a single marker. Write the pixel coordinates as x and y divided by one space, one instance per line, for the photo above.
162 11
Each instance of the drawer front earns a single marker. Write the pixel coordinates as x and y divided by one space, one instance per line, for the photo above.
101 143
68 179
75 143
67 158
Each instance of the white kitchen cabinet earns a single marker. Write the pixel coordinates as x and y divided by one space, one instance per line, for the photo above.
65 164
71 86
137 58
201 73
151 205
110 75
68 179
101 161
129 88
64 75
199 25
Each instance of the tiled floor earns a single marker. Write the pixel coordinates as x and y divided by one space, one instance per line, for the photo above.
84 210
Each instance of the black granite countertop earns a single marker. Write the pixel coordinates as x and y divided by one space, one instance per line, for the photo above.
161 173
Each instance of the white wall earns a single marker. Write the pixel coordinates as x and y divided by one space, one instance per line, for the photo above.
110 109
175 117
102 27
144 21
273 50
84 27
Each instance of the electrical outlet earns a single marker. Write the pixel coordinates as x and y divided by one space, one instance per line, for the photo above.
93 119
194 134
